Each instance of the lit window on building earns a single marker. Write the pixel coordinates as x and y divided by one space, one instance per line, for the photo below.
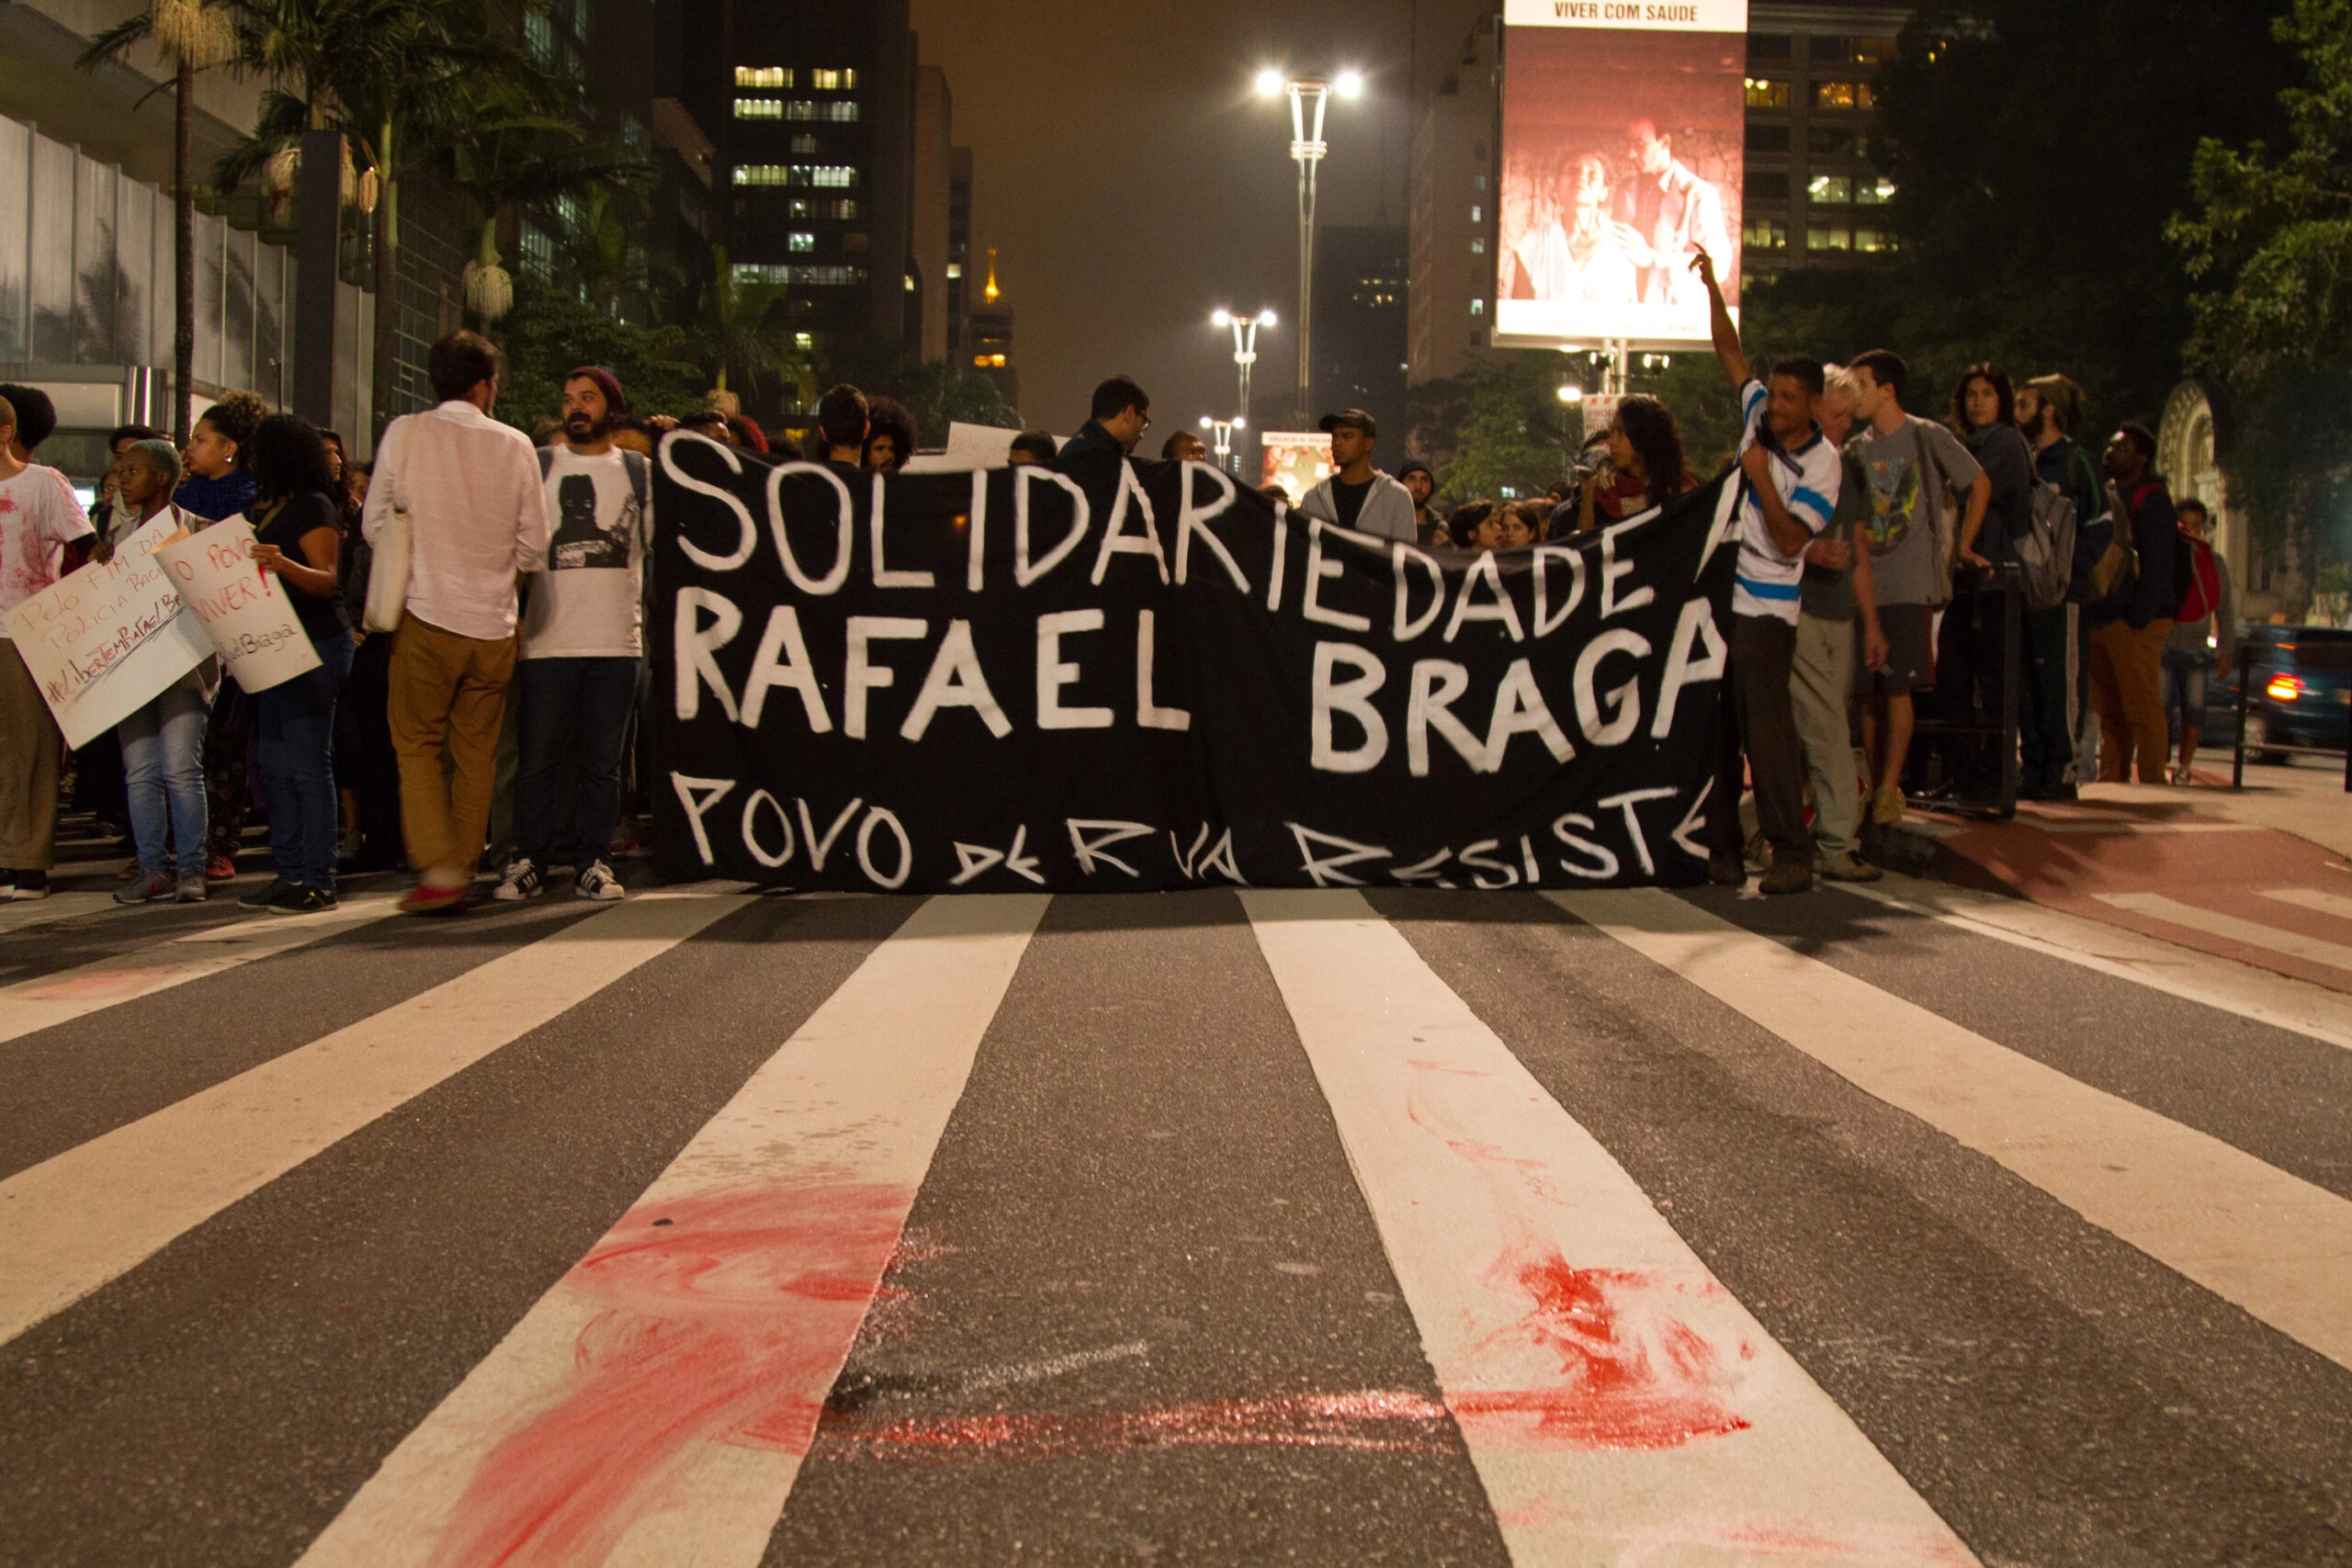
801 241
764 76
1477 214
1827 237
1766 94
1765 234
538 251
989 361
1874 193
1478 182
760 174
804 142
804 340
582 13
824 175
836 109
1477 307
1479 246
954 269
634 136
820 277
840 81
842 208
1833 189
759 108
1876 240
1841 95
911 285
538 35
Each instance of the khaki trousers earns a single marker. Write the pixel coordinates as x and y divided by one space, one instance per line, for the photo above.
2127 687
447 690
31 752
1820 679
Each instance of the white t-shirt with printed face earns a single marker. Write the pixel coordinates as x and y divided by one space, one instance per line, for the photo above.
585 600
37 516
1769 582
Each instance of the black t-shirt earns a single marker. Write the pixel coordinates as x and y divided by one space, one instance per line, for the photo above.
1348 499
304 514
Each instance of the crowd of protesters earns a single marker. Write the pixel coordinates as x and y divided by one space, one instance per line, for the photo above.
502 718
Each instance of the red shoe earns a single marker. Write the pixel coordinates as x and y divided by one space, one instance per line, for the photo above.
219 868
425 899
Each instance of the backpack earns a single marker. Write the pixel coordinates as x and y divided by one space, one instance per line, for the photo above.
2200 581
2045 552
2115 580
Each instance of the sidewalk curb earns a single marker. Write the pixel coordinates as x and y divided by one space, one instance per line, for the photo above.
1917 849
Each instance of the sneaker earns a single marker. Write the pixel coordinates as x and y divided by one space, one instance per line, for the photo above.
1789 874
30 884
1726 871
269 896
219 868
190 889
599 884
151 884
347 847
1886 808
1847 867
522 880
426 899
305 901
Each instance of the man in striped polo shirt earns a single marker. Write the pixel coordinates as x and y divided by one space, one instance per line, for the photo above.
1788 482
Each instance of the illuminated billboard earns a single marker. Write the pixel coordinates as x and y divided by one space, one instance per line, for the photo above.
1622 122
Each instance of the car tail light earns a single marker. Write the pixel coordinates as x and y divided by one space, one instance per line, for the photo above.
2283 688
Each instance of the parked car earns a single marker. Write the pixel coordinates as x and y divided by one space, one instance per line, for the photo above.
2302 696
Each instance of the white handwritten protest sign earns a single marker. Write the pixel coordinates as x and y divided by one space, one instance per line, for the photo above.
104 641
244 610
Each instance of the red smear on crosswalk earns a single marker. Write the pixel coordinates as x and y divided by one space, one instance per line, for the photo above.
1634 1372
725 1316
1376 1420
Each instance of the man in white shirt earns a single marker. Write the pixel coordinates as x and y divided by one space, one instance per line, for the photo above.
1790 477
583 645
42 533
468 489
1359 496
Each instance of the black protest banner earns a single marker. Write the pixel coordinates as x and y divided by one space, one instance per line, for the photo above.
1140 677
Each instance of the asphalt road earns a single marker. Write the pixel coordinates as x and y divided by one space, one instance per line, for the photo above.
1409 1227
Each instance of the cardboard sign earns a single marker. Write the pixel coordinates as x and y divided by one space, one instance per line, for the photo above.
107 640
244 610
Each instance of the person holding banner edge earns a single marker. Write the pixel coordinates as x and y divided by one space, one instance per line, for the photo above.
162 744
1792 479
43 535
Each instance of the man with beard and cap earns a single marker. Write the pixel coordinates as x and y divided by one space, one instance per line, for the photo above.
583 646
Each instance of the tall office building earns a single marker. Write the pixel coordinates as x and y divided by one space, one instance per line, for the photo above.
1359 338
1810 199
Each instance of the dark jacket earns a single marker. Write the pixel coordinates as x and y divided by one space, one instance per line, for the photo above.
1091 442
2155 527
215 500
2067 465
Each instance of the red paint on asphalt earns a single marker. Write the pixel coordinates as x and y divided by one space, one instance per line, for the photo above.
725 1317
1376 1420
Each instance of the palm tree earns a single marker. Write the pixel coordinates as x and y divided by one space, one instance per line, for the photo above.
740 326
194 37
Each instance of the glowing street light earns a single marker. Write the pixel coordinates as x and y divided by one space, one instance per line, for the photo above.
1310 95
1571 394
1245 343
1221 435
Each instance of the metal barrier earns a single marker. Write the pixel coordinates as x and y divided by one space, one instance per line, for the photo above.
2002 730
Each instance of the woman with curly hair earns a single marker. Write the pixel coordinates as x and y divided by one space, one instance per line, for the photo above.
889 435
298 536
1644 468
220 483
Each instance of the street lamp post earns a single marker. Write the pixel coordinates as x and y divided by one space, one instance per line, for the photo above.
1221 436
1310 95
1244 345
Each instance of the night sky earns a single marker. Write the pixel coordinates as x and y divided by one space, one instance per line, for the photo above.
1132 181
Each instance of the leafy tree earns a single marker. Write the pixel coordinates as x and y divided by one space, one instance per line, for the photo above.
742 327
193 37
2272 240
937 394
1509 429
551 329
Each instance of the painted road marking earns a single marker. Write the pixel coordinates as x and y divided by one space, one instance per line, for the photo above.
654 1407
2105 948
17 914
76 1221
2312 898
1621 1405
53 999
2273 1243
2253 933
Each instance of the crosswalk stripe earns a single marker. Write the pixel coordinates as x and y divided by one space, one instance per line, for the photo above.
2273 1243
2106 948
53 999
2253 933
654 1407
17 914
1621 1405
2312 898
77 1220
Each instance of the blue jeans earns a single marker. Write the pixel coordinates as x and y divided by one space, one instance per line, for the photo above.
574 720
297 729
162 766
2184 688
